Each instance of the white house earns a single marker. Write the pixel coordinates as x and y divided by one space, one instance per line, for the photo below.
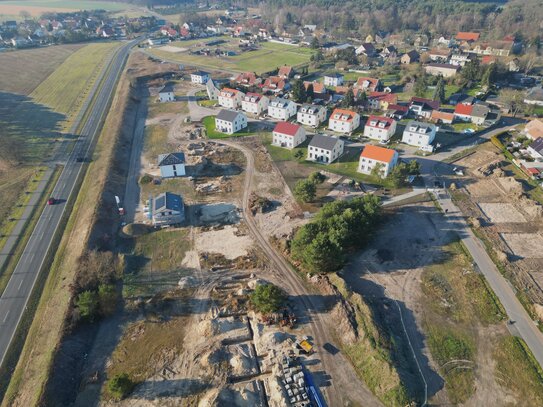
171 165
230 121
536 149
254 103
166 94
419 134
344 121
324 149
311 115
334 79
380 128
200 77
372 156
167 209
288 135
282 109
230 98
212 91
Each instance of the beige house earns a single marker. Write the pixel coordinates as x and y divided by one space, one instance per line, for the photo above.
445 70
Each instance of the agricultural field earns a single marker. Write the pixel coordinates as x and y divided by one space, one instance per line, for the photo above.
255 61
10 10
22 71
66 88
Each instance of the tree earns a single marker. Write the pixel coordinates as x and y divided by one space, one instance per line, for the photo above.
87 303
489 76
305 190
514 99
398 175
107 299
420 86
267 298
317 177
310 93
348 99
376 170
120 386
471 71
439 92
298 154
315 43
298 91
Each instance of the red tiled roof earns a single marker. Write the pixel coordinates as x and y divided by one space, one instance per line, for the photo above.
287 128
488 59
373 82
378 119
378 153
384 96
467 36
400 108
463 109
343 112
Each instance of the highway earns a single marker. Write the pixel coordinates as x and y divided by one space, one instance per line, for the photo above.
21 284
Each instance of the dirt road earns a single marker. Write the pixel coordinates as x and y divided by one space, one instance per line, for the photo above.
344 386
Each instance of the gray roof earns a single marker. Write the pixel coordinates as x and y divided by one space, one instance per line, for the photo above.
171 159
537 145
279 102
443 66
480 110
323 141
535 94
311 109
200 73
168 201
334 75
166 88
425 127
227 115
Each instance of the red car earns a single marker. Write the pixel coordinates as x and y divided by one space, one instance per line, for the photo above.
51 201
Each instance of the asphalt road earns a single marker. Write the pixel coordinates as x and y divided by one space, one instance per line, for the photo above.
15 297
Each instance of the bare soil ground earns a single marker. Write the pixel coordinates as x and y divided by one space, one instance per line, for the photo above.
410 252
509 220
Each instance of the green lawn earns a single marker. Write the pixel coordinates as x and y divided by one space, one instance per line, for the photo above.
209 123
69 4
267 58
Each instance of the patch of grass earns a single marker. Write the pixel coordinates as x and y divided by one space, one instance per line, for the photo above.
455 291
158 108
146 346
10 265
454 352
69 85
156 141
371 354
209 123
165 249
517 369
207 103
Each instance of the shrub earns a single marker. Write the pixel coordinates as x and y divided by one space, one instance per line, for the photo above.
317 177
146 179
120 385
87 303
305 190
107 299
267 298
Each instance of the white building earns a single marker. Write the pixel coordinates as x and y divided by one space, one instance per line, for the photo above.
254 103
419 134
311 115
212 91
334 79
344 121
282 109
373 156
171 165
230 121
166 94
324 149
288 135
230 98
200 77
380 128
167 209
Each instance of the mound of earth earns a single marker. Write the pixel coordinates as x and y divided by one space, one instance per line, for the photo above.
136 229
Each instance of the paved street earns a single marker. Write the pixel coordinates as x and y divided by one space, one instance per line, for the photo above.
15 297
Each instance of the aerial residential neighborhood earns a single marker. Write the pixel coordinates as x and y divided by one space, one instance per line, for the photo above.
271 203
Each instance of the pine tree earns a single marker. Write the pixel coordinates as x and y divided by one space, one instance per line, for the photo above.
348 100
298 91
439 92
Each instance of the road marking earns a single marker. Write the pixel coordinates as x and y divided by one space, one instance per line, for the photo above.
6 317
20 284
31 256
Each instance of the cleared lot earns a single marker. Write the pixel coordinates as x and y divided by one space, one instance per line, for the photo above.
528 245
501 213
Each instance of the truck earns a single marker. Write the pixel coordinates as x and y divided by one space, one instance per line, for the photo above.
304 345
119 207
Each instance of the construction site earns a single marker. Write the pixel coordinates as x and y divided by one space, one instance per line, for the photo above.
498 202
